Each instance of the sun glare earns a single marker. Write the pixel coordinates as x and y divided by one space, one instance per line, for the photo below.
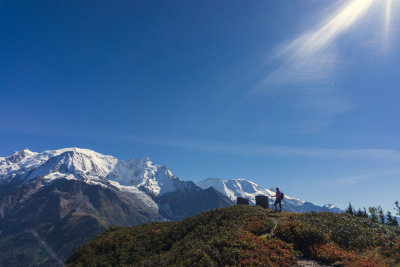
388 16
339 23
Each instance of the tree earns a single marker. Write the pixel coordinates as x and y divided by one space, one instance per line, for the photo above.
365 213
389 217
397 208
350 209
381 215
374 213
360 213
391 220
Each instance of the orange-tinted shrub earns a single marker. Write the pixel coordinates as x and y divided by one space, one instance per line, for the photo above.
254 251
331 253
258 225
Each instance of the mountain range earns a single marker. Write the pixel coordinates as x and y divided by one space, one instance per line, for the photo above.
234 188
54 201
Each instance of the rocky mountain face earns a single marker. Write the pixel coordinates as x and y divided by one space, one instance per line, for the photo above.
190 201
53 202
44 224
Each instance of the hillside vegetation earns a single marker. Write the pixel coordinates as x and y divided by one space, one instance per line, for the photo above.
246 236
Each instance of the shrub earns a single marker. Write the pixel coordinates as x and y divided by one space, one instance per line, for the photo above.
392 250
351 232
331 253
209 239
301 234
254 251
258 225
235 236
345 239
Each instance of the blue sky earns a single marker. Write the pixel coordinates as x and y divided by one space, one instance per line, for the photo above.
298 94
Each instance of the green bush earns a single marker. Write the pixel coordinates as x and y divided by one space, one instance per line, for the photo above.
352 232
258 225
301 234
331 237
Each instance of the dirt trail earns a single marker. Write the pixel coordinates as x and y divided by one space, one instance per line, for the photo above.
276 218
309 263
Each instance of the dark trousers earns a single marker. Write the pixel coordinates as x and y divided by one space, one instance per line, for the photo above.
278 201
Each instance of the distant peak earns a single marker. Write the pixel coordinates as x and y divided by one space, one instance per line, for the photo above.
330 206
73 150
20 155
25 151
76 149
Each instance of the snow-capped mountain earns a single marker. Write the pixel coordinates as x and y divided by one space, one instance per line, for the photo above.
234 188
330 206
90 167
139 176
67 196
70 163
142 173
143 179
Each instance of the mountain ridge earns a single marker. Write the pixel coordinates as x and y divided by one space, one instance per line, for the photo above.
135 175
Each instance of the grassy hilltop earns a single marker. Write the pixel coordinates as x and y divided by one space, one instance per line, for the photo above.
246 236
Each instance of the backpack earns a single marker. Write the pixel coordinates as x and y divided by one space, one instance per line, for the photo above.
282 196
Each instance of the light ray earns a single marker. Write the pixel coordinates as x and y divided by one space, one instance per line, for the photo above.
309 65
314 51
388 17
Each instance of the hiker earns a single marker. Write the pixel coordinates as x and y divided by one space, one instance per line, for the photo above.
278 200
